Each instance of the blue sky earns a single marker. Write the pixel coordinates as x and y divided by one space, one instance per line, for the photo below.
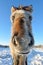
5 24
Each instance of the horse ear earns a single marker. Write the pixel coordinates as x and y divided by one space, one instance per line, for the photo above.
28 8
13 9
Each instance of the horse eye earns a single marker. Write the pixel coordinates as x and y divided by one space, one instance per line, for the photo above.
30 17
13 17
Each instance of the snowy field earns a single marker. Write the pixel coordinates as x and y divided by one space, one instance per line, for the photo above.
34 58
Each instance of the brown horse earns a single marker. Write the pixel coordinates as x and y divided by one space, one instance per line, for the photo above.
22 39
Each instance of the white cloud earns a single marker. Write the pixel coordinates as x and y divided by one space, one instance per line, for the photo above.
4 43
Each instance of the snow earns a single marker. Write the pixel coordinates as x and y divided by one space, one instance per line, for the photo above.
34 58
39 49
37 60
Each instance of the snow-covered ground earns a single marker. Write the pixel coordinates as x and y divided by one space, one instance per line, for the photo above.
34 58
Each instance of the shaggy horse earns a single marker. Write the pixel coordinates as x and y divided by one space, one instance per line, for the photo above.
22 39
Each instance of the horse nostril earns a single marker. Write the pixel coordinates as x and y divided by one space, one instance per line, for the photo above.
31 43
32 40
15 34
